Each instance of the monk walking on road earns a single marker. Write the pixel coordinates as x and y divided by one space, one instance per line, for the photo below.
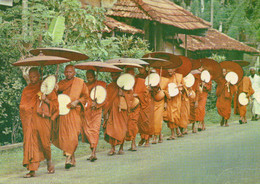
174 104
115 115
224 92
37 127
67 129
91 124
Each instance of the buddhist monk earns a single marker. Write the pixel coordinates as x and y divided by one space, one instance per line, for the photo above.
132 124
159 105
186 95
37 124
244 86
67 128
202 95
224 92
174 104
255 80
194 101
116 117
142 73
146 118
91 124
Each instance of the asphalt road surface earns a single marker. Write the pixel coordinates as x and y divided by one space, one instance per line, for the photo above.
217 155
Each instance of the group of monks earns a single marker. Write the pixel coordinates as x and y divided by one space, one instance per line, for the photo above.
125 113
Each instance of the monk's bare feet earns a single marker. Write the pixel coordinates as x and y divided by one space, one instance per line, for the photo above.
171 138
120 152
50 167
203 127
68 163
111 152
147 144
222 122
141 142
73 161
226 123
30 174
160 138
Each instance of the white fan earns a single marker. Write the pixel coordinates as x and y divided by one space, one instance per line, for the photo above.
173 89
126 81
152 79
63 100
189 80
48 84
205 76
231 77
243 100
100 95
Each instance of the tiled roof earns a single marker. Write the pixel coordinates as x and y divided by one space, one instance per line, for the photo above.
214 40
163 11
112 24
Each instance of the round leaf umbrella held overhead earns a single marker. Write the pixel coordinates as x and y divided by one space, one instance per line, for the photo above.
60 52
127 60
98 66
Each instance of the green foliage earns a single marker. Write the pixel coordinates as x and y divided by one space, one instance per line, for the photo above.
56 29
217 58
83 32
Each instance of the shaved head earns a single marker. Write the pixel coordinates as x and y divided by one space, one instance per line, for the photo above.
69 72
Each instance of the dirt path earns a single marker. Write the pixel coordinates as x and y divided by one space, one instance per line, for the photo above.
217 155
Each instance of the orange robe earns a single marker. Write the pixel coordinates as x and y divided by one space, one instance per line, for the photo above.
92 121
116 124
202 100
132 124
36 129
174 103
195 88
224 98
146 117
245 86
185 108
67 128
159 108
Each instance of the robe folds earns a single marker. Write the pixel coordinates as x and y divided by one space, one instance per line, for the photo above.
132 124
195 88
146 117
202 100
159 107
92 121
116 124
244 86
224 97
185 108
36 129
67 128
174 103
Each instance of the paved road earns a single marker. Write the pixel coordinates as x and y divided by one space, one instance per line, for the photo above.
217 155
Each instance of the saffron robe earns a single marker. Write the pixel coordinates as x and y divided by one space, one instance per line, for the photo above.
132 124
195 88
159 107
92 121
245 86
67 128
224 97
202 100
116 124
174 103
36 129
185 108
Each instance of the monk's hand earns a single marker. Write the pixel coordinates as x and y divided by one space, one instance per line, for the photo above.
180 87
120 92
93 105
74 104
165 106
56 87
45 99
